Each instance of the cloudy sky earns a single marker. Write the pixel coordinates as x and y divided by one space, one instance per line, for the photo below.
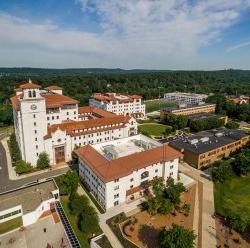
149 34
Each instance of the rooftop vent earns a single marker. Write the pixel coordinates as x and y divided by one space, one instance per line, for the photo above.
194 141
204 139
219 134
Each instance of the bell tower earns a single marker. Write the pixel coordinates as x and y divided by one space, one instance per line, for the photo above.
33 121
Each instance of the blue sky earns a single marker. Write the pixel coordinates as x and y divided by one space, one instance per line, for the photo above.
149 34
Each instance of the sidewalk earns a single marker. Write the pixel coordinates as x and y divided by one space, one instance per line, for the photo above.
11 170
208 223
105 228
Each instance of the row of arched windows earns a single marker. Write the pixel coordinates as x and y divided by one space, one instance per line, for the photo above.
32 93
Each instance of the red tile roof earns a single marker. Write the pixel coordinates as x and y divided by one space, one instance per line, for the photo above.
52 101
29 85
86 127
109 170
107 97
94 111
53 87
57 100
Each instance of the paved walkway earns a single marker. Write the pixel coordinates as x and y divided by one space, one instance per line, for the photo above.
208 223
105 228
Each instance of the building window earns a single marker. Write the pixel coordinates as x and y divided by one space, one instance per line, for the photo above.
131 186
144 174
36 146
67 113
131 179
47 118
116 187
116 196
34 116
34 123
35 139
171 166
116 203
57 117
156 170
35 131
116 180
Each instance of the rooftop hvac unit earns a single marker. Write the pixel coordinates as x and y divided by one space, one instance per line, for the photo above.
219 134
194 141
204 139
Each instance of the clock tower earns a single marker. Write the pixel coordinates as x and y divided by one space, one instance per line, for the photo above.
33 122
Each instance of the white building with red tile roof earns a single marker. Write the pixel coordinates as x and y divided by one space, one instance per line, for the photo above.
120 104
121 170
46 120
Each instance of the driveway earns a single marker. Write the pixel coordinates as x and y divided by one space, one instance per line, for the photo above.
6 184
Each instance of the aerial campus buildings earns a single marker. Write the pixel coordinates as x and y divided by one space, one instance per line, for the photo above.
119 104
121 170
47 121
189 98
206 147
29 202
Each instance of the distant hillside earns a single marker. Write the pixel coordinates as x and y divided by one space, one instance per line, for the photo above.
26 71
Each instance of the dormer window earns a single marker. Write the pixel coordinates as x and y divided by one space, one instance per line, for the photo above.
30 95
34 93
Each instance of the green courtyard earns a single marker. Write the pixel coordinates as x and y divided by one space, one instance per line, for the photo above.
233 196
153 129
158 104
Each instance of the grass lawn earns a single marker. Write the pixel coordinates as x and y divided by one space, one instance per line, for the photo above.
158 104
11 225
82 237
153 129
233 196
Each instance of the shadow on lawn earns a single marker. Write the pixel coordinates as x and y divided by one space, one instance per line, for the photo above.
148 235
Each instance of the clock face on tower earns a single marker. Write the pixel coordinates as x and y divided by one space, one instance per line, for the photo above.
33 107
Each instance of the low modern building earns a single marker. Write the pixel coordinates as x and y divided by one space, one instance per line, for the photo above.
119 104
188 110
121 171
239 100
47 121
206 147
182 97
28 202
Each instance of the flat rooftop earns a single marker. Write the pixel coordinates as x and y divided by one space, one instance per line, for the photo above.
119 158
186 94
29 197
207 140
181 107
124 147
203 115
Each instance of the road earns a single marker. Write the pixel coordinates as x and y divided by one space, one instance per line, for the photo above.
6 184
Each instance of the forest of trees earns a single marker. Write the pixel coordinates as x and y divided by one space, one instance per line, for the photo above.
81 83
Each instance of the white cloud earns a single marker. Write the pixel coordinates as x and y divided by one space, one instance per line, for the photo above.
238 46
135 34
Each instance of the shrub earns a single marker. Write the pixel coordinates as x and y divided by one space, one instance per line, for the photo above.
177 237
68 183
221 171
238 223
232 125
23 167
14 149
88 220
43 161
78 203
185 209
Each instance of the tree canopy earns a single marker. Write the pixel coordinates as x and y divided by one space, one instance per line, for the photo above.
177 237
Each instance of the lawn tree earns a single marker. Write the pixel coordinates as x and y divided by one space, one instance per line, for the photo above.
43 161
241 164
88 220
232 125
177 237
68 183
78 203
